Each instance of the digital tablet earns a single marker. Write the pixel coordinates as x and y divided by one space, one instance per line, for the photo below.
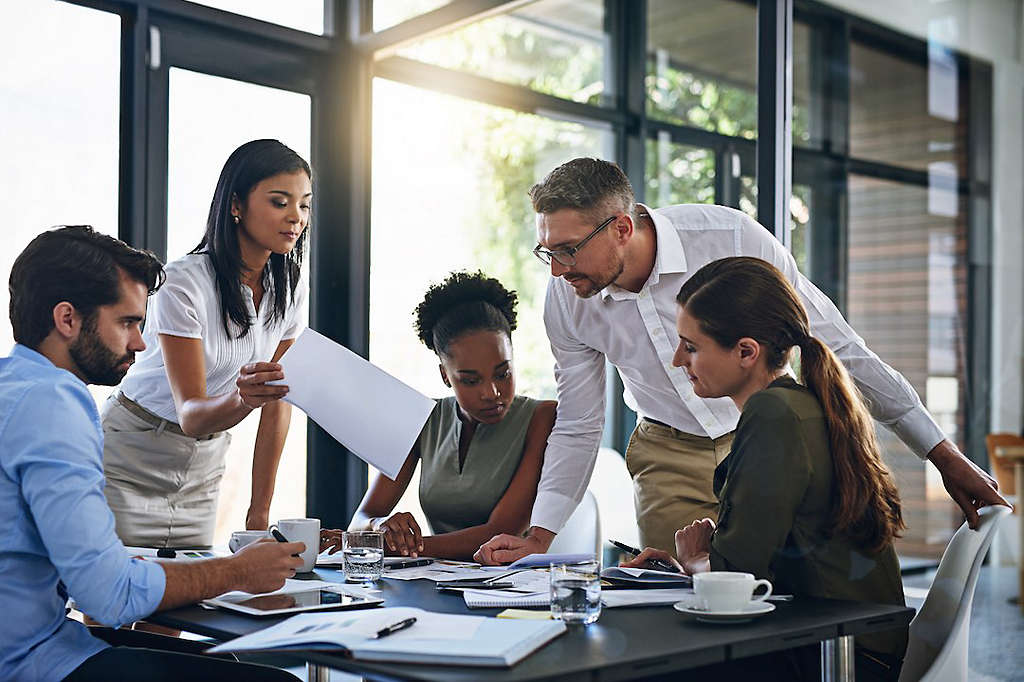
295 602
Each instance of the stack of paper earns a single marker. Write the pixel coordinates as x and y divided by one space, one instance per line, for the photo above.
639 578
546 560
493 599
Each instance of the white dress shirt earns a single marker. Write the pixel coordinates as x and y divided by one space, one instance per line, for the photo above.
637 333
188 305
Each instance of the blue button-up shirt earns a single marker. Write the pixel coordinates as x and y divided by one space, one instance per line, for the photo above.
58 532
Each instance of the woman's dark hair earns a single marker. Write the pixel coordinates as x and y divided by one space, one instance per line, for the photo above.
247 166
742 297
464 302
74 264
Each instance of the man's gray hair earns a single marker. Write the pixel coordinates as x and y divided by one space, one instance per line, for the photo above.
591 186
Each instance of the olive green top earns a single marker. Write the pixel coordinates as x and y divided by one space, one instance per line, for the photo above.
775 491
454 498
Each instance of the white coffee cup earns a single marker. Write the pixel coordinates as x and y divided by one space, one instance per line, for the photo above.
302 530
241 538
728 590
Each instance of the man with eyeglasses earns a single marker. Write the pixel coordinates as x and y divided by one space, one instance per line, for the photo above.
616 267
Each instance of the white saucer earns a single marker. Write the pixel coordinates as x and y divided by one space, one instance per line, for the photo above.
752 611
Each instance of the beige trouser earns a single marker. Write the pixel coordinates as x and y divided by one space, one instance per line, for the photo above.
161 486
673 474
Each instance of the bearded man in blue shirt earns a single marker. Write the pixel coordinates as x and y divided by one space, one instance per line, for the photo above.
78 300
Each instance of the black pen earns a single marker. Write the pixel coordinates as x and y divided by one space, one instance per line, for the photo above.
656 563
408 563
279 536
391 629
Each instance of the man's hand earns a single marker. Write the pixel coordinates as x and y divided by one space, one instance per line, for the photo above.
504 549
263 566
966 483
693 546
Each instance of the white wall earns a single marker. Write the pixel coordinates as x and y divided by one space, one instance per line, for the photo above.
992 30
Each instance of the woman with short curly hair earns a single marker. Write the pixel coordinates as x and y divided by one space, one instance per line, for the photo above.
482 449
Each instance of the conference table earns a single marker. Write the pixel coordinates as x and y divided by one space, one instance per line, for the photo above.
626 643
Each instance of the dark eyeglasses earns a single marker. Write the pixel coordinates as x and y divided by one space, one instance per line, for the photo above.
567 257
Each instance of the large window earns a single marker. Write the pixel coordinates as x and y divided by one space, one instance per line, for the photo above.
450 193
305 15
553 46
59 84
208 118
678 173
702 64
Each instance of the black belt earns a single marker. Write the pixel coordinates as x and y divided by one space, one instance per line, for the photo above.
655 421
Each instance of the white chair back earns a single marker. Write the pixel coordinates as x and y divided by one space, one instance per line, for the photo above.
937 650
582 532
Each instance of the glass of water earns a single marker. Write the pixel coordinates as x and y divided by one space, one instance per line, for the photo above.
362 555
576 592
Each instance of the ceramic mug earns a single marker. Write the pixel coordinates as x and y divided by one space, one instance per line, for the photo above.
728 590
241 538
302 530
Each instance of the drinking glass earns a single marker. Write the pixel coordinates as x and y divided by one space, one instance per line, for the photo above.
362 555
576 592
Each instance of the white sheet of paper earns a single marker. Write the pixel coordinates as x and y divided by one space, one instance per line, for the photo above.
370 412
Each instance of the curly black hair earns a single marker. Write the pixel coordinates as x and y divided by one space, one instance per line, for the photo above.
464 302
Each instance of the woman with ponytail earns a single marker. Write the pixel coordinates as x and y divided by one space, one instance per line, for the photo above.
805 499
481 451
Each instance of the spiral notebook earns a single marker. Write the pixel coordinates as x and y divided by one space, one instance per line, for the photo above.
480 599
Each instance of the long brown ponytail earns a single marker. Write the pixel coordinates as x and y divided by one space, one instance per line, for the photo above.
739 297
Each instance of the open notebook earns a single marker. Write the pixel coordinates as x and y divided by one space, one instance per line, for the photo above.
435 637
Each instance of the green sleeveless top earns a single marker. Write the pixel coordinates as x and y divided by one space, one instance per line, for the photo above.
454 499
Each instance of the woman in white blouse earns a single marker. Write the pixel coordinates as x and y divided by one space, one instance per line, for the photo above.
214 333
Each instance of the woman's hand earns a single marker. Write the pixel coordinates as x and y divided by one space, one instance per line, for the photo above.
330 538
257 519
253 390
693 546
402 535
650 554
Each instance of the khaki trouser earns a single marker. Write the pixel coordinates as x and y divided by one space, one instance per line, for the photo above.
673 475
162 486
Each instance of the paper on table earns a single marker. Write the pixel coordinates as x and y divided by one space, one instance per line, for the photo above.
547 559
370 412
437 571
354 628
609 598
291 585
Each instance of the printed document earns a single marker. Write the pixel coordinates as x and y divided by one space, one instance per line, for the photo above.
370 412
